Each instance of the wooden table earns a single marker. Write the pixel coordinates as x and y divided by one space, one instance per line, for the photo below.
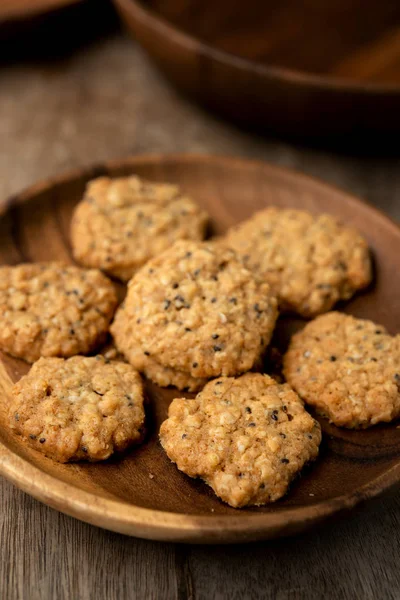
106 101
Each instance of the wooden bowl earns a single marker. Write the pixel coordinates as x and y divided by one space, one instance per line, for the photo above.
315 69
142 493
23 9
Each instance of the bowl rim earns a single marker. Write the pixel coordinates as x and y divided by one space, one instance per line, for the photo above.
119 515
306 79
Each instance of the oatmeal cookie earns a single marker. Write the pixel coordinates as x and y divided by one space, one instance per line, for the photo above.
347 368
311 262
246 437
121 223
196 309
79 408
51 309
162 376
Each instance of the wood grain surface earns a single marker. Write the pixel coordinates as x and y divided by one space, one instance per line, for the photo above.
72 114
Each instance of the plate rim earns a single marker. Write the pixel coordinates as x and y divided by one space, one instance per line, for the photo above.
151 18
119 515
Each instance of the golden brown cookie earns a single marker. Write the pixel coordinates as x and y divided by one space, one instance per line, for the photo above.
121 223
246 437
162 376
196 309
347 368
51 309
79 408
309 261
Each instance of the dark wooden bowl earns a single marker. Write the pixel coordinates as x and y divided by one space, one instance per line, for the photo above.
142 493
310 68
24 9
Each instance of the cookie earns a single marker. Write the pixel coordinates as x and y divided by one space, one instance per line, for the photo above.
196 309
79 408
162 376
347 368
121 223
51 309
246 437
311 262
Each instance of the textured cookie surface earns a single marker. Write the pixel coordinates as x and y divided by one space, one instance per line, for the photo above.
196 309
79 408
310 262
50 309
162 376
347 368
122 223
246 437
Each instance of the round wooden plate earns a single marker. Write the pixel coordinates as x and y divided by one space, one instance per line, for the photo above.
142 493
310 68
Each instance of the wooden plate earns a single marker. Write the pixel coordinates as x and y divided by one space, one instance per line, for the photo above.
310 68
142 493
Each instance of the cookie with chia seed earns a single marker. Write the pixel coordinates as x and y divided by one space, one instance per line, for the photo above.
196 309
121 223
81 408
162 376
52 309
347 368
311 262
247 438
